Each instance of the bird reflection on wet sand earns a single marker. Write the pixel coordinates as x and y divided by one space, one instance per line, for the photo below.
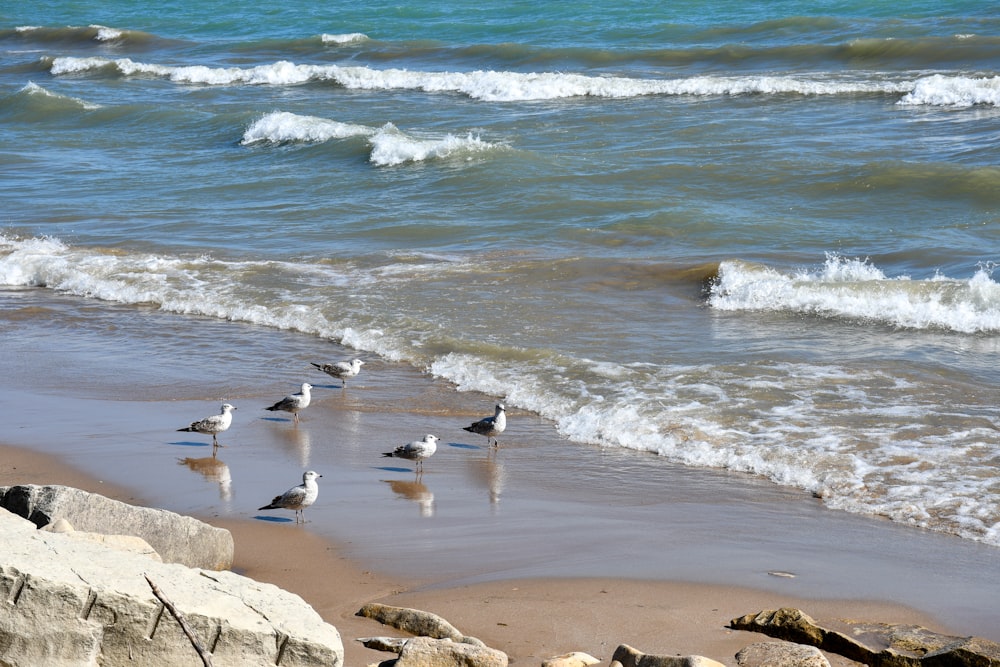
489 472
415 491
297 442
213 470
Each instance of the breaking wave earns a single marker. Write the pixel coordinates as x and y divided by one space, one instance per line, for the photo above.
487 85
855 289
389 145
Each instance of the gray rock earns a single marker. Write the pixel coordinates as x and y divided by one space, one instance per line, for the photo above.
968 652
907 646
178 539
130 543
574 659
122 542
67 602
415 622
387 644
774 654
626 656
429 652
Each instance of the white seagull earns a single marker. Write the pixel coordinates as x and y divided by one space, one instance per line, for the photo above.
213 425
342 369
295 402
491 427
418 450
297 498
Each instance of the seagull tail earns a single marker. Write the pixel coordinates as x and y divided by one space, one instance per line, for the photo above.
186 428
470 429
389 454
317 365
273 505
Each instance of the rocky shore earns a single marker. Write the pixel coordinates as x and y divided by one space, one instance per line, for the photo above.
90 580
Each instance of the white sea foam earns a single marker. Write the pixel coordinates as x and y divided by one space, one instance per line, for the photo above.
845 433
491 85
282 127
346 38
389 145
855 289
858 458
62 66
392 147
105 34
32 88
954 91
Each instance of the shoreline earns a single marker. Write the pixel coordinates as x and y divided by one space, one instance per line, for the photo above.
529 619
542 546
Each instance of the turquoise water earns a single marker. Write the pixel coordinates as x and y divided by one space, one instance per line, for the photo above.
754 238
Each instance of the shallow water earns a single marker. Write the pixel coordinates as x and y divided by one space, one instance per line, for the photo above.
540 505
716 239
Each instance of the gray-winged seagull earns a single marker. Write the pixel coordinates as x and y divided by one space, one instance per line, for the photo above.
295 402
297 498
342 369
418 450
213 425
491 427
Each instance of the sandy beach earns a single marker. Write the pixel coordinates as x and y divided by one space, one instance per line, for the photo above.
538 547
529 619
731 267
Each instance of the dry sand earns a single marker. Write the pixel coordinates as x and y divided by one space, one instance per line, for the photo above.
530 620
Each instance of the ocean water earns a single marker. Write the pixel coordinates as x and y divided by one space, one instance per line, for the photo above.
751 237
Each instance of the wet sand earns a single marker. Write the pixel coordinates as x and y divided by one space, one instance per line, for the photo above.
530 619
539 547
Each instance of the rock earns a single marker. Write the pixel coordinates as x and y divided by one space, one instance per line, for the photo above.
430 652
120 542
70 602
796 626
415 622
908 646
969 652
626 656
574 659
129 543
59 526
178 539
774 654
387 644
792 625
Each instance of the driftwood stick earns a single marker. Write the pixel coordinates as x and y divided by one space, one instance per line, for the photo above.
206 657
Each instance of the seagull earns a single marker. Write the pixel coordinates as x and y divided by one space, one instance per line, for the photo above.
295 402
491 427
213 425
342 369
418 450
297 498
